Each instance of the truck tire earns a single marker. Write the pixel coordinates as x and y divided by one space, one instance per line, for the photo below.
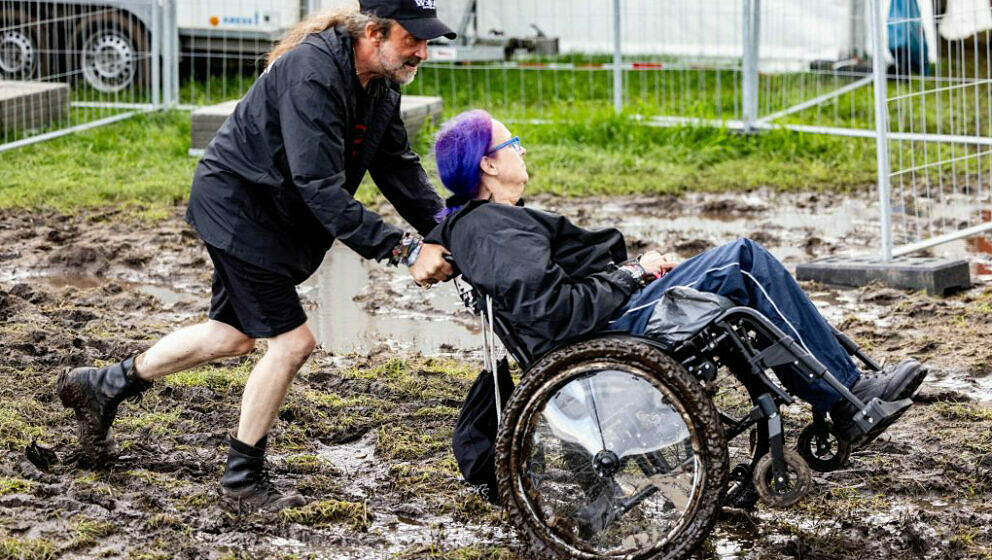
113 52
20 57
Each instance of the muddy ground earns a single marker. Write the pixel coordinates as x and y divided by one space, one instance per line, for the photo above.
365 435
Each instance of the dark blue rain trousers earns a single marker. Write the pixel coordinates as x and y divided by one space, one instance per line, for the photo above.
748 275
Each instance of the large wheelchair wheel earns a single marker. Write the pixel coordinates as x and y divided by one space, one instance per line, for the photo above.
610 449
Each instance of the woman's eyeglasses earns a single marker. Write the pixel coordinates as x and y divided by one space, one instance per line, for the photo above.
513 142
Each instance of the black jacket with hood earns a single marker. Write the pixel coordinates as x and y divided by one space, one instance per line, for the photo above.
550 280
276 185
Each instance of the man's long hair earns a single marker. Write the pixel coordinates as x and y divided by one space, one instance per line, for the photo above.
350 18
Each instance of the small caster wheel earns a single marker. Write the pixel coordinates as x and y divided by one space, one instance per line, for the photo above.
800 480
823 451
740 490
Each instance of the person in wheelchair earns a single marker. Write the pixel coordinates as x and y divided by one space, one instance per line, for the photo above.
551 281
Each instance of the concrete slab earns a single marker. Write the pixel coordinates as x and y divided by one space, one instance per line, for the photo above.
415 110
31 105
935 275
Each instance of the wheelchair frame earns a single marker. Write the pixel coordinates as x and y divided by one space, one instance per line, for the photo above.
748 344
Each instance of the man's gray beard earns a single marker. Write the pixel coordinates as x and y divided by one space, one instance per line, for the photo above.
396 74
400 77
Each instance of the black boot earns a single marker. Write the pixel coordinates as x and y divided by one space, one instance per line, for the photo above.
893 384
246 480
94 394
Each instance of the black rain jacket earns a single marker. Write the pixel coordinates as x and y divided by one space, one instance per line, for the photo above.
276 185
550 281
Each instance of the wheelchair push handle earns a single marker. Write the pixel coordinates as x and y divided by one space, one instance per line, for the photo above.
448 258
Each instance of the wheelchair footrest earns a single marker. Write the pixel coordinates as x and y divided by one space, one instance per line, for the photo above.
878 414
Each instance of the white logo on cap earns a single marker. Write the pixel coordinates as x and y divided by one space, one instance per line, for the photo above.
425 4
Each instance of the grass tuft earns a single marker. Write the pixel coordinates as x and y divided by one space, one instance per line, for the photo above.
27 549
330 512
219 379
12 485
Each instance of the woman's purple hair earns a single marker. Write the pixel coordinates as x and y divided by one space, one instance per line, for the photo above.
459 148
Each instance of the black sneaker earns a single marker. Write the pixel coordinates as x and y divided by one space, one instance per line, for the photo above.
893 384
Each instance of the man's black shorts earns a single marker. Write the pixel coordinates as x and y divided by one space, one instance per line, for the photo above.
258 302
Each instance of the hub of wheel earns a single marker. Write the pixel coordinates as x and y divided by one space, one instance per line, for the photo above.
109 61
606 463
17 53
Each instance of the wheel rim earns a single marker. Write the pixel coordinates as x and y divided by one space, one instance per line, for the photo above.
17 54
831 456
608 462
109 61
797 486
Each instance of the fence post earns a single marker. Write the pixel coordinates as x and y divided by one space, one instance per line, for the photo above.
172 31
879 69
749 63
617 60
156 54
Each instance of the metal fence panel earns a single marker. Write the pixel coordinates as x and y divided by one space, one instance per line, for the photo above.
939 131
69 66
804 65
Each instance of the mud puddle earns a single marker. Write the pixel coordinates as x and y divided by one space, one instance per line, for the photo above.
166 295
357 306
367 436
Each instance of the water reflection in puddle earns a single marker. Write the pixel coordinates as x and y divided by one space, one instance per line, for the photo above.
165 294
341 325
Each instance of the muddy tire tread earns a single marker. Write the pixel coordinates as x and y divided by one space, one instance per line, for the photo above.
632 351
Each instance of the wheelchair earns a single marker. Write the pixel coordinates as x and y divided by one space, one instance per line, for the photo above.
614 447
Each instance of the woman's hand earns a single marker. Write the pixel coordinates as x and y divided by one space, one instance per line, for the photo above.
657 264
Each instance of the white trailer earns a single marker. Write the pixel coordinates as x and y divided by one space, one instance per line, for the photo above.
108 42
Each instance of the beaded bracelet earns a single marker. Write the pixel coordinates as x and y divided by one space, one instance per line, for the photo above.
407 250
637 272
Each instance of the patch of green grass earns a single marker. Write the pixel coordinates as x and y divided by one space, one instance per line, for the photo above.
404 442
420 378
155 479
471 507
329 512
13 485
967 412
319 485
139 162
843 502
423 478
166 520
471 552
87 532
19 423
151 423
196 501
219 379
145 554
304 464
12 548
334 400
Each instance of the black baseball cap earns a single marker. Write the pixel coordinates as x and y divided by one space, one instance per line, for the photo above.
418 17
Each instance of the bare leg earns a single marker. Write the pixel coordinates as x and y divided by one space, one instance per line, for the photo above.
269 381
191 346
